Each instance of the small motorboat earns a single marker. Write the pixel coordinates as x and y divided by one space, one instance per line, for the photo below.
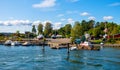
8 42
39 37
15 43
101 45
73 48
88 46
26 44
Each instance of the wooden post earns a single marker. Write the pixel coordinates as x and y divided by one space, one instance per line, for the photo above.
68 56
68 51
43 45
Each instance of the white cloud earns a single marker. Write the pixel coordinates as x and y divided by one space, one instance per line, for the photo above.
15 22
45 4
91 18
57 25
1 23
115 4
70 20
107 17
84 14
44 22
60 15
36 22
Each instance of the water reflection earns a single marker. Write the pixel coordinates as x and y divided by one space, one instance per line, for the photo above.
43 51
68 57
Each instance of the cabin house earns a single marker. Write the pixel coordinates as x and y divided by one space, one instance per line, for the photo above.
116 36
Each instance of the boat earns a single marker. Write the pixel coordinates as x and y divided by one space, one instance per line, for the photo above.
73 48
53 36
88 46
39 37
26 44
8 42
15 43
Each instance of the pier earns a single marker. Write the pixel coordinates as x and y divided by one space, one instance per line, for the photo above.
59 43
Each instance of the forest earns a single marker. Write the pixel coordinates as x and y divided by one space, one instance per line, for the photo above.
95 29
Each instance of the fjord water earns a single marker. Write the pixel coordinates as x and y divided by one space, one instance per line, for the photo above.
34 58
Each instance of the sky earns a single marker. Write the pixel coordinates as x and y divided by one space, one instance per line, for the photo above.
22 14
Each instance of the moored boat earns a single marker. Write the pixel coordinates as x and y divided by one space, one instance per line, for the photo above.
8 42
26 44
73 48
88 46
15 43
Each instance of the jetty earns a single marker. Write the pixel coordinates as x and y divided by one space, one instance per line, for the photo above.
59 43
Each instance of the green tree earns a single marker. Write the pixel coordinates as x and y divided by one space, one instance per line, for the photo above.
96 32
76 31
97 24
17 33
48 29
102 26
33 29
119 27
91 24
84 25
91 31
68 30
55 32
61 31
115 30
40 28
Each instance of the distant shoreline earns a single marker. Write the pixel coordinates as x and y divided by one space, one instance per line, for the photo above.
40 42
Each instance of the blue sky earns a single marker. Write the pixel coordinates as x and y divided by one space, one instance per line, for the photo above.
22 14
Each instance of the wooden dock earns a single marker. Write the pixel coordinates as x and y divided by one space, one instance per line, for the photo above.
59 43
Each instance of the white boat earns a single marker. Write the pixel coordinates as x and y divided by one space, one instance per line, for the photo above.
8 42
101 45
15 43
39 37
73 48
86 45
26 44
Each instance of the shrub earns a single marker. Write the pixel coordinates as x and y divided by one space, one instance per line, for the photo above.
111 41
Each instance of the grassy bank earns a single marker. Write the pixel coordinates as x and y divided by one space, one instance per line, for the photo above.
96 41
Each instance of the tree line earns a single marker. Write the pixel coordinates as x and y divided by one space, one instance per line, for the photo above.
95 29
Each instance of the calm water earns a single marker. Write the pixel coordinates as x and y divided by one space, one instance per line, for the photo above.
34 58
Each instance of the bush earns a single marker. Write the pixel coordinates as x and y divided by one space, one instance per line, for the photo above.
96 41
111 41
